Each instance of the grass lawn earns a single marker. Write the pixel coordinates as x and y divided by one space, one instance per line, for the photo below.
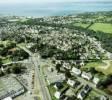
106 71
92 94
104 27
101 67
7 60
1 86
52 91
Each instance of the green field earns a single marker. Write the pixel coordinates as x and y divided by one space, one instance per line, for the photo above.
52 92
104 27
104 67
6 60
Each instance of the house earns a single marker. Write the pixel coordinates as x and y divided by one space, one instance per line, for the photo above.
71 82
96 80
62 69
81 95
87 88
66 65
104 97
57 94
87 76
84 92
76 71
82 63
58 85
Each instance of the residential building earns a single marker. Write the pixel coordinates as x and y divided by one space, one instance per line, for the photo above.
96 80
76 71
87 88
71 82
81 95
58 85
66 65
87 76
57 94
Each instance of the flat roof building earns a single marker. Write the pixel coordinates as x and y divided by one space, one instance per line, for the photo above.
10 87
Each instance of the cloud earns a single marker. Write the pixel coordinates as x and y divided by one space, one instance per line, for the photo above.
31 1
44 1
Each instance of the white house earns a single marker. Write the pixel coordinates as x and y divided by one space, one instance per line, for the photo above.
57 94
71 82
76 71
82 63
67 66
81 95
96 80
87 76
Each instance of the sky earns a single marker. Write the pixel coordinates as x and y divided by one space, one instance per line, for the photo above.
44 1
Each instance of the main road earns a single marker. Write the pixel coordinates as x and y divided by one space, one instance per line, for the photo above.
45 95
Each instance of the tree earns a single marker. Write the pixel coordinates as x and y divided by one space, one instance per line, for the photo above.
0 62
1 73
93 70
105 82
67 74
17 68
58 67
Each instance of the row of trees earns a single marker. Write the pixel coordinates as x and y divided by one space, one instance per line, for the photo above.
15 68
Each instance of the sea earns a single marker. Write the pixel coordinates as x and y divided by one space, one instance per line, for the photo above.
53 9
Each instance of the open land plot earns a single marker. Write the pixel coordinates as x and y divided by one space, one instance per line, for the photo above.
6 60
106 69
105 66
52 91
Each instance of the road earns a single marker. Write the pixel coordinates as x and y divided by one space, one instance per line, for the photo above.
39 75
13 62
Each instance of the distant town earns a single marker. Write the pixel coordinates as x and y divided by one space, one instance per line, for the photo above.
56 58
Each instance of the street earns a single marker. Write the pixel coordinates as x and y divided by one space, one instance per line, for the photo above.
39 76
